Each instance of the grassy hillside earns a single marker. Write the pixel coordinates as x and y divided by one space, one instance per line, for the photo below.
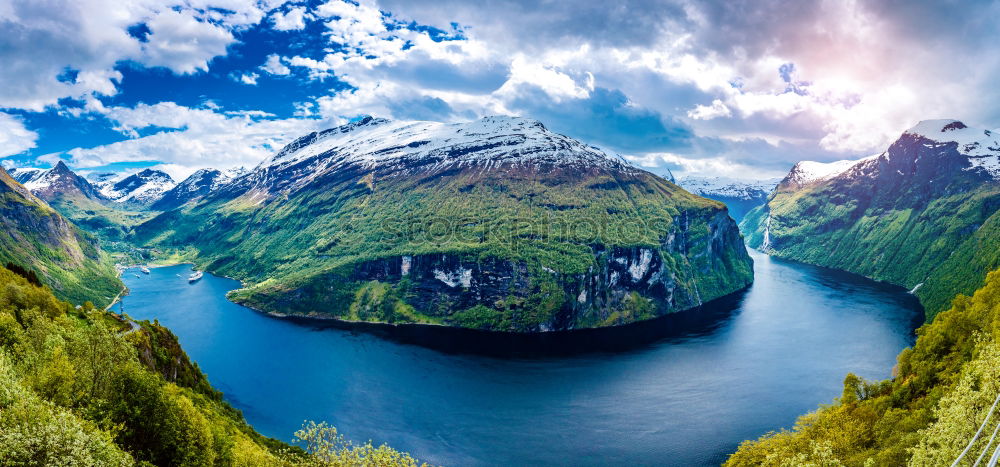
314 250
64 257
81 387
925 415
107 221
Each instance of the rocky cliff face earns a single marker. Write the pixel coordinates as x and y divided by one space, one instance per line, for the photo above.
623 284
498 223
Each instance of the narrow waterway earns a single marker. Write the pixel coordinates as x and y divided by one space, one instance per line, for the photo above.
682 390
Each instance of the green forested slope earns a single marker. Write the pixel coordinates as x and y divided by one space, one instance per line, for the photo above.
920 216
945 244
80 387
924 416
36 237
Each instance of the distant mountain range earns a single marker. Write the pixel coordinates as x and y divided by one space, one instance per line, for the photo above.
141 189
195 187
922 214
740 195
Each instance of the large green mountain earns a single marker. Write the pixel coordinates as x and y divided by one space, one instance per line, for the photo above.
39 239
495 224
923 214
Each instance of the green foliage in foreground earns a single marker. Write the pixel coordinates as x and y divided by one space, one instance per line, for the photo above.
79 387
924 416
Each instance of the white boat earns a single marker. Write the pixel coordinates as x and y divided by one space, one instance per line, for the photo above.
144 270
194 277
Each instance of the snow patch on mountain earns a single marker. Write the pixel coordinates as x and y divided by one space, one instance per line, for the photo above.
100 178
46 178
972 142
493 141
982 147
806 172
24 175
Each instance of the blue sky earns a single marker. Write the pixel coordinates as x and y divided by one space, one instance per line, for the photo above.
731 88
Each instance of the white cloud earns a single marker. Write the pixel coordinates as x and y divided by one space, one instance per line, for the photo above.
708 112
249 78
183 43
861 75
14 137
557 84
196 137
274 65
293 20
865 70
711 166
41 41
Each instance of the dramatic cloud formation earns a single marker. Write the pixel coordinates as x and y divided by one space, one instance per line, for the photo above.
737 88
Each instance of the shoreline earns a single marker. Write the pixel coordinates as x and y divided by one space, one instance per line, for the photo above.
376 326
318 318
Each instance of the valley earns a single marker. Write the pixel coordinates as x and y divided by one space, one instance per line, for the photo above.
500 226
409 233
539 399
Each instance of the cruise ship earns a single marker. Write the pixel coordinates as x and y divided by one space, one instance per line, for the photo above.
194 277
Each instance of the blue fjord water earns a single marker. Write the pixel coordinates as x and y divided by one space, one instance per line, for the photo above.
680 390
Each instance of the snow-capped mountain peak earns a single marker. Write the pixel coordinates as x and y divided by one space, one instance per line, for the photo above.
196 186
805 172
972 142
47 178
141 187
982 147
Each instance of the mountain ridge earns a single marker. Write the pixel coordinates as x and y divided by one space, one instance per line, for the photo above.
142 188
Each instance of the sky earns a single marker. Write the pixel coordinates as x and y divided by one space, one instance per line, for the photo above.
730 88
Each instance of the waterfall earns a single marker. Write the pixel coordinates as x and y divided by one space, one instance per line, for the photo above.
767 234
